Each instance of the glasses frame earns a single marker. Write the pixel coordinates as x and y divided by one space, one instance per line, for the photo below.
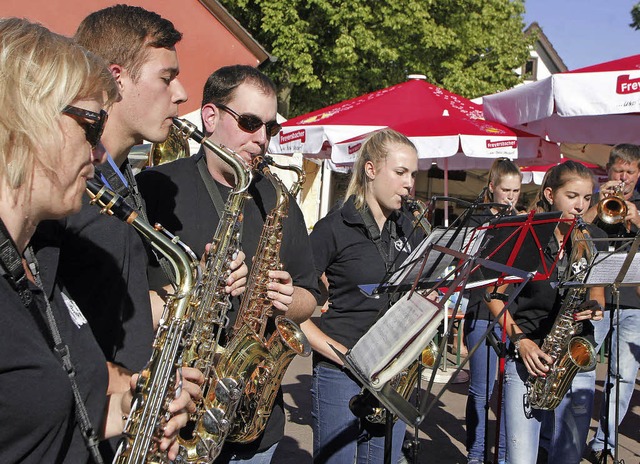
92 130
251 123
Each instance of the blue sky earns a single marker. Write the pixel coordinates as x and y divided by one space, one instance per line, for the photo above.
586 32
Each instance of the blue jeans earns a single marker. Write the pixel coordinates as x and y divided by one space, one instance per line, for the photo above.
629 362
338 436
562 432
478 381
262 457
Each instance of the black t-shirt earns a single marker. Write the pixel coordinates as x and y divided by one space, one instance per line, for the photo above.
36 401
344 251
536 306
101 263
628 296
177 197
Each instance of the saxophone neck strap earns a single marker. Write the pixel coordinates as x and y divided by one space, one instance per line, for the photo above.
212 188
373 231
16 275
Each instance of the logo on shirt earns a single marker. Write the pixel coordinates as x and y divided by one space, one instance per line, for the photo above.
402 244
74 311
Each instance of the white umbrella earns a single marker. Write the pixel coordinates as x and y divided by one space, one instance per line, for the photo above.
596 104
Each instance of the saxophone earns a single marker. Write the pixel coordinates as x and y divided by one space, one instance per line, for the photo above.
261 363
156 385
201 441
365 404
570 354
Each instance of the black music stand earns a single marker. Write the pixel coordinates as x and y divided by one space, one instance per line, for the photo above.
612 269
512 239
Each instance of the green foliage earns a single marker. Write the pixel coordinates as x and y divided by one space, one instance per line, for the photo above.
635 17
331 50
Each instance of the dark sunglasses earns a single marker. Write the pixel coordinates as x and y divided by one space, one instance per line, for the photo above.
251 123
92 130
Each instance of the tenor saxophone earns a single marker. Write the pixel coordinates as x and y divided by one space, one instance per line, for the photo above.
261 363
201 441
570 353
156 386
367 405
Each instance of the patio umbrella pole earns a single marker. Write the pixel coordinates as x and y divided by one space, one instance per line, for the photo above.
446 193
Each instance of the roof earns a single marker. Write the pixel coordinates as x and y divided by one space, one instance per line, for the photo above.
545 49
233 26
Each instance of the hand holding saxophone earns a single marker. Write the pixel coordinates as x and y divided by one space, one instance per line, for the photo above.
588 310
536 360
280 289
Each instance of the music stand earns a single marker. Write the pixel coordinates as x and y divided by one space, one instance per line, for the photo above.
625 266
532 232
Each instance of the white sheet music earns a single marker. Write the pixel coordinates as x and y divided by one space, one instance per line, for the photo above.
396 339
409 269
606 267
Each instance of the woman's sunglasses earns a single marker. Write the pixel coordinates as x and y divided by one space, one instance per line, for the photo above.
251 123
92 130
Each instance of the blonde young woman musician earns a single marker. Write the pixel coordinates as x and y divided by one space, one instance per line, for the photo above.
356 244
503 187
561 432
52 96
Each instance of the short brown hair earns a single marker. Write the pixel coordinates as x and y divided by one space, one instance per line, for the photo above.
122 35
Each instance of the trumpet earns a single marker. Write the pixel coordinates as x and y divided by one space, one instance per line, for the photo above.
612 209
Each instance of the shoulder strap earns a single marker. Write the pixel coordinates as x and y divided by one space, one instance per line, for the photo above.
374 234
210 184
15 274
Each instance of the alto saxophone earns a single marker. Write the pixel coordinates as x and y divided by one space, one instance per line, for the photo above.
261 363
570 354
367 405
156 386
201 441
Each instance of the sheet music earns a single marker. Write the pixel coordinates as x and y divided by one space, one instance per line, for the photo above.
409 269
396 339
606 267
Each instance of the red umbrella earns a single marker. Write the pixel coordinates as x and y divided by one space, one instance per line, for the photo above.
441 123
596 104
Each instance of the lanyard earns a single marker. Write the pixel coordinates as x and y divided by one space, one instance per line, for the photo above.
15 275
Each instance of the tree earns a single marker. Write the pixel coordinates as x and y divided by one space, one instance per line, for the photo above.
331 50
635 17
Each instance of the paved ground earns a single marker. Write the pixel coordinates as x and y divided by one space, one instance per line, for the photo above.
442 433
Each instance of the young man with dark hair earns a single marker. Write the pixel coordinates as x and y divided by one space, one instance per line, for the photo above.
238 112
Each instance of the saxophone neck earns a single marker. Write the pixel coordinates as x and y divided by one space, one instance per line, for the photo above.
301 176
241 171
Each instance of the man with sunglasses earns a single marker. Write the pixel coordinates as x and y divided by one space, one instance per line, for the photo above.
239 112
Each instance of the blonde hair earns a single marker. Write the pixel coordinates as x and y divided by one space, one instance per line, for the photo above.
375 149
500 168
41 73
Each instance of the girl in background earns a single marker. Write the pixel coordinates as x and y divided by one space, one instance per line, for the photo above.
503 187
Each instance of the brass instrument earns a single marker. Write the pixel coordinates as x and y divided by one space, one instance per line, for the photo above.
301 175
612 209
174 147
210 424
156 386
405 381
570 353
249 355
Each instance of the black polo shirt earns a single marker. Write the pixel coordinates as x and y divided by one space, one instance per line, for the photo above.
177 197
538 303
101 263
344 251
629 298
